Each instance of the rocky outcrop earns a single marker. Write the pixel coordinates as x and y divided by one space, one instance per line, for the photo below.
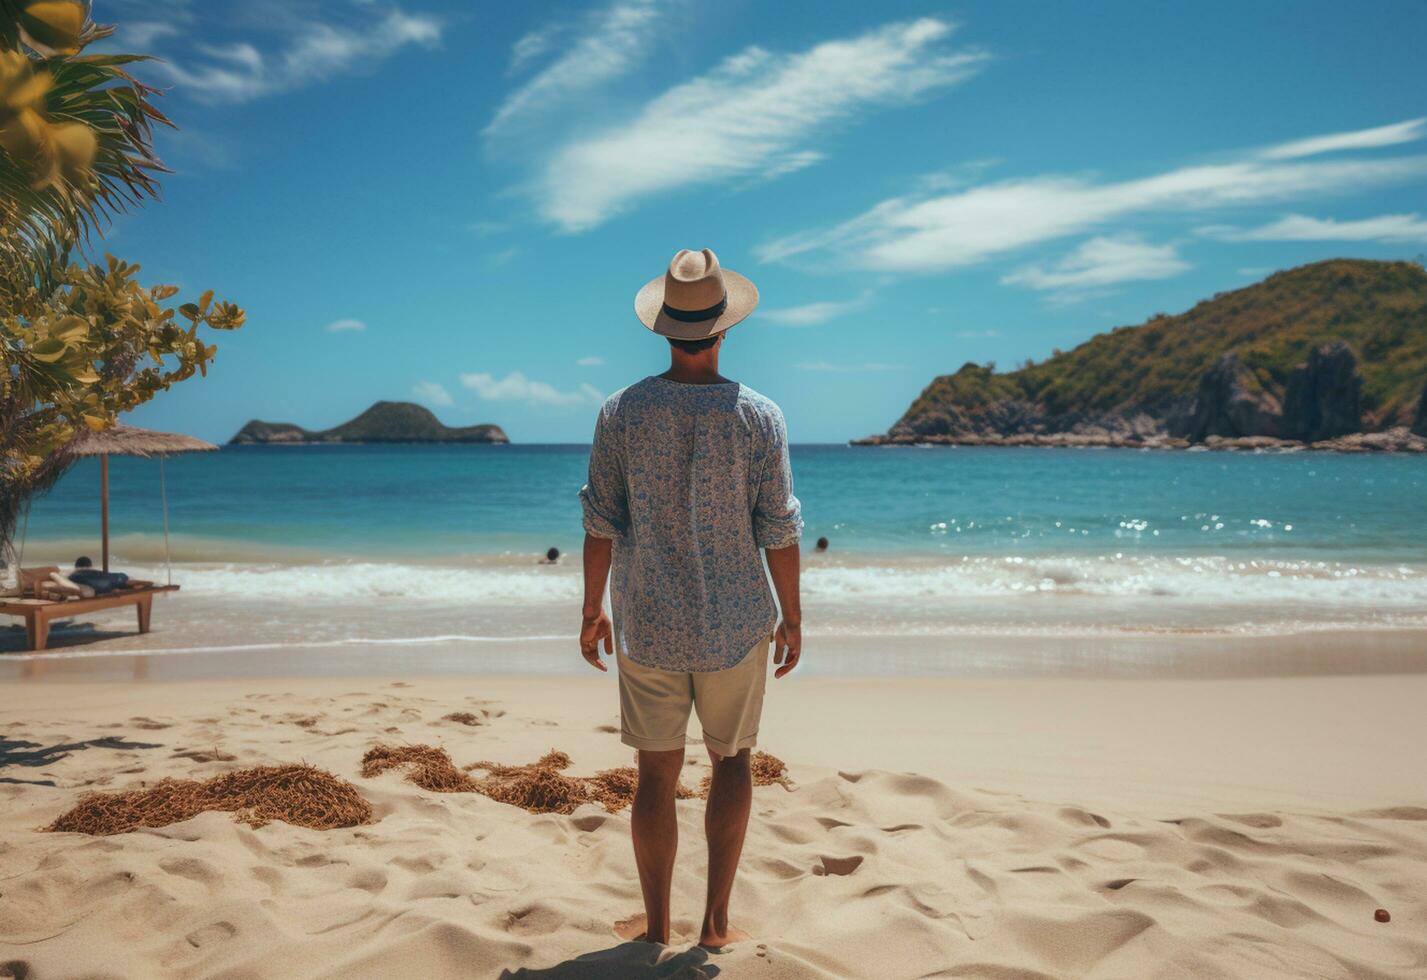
1398 439
1010 419
1231 403
1231 369
1324 397
383 422
258 431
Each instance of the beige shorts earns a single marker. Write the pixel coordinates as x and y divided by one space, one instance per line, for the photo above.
654 704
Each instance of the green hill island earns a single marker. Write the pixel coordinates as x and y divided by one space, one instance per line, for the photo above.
1331 355
383 422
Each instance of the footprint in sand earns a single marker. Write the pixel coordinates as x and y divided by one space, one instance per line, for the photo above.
829 865
148 724
208 935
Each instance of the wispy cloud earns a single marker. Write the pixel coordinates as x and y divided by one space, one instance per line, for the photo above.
927 233
829 366
346 326
812 314
139 36
530 46
752 116
612 43
591 361
431 392
1102 262
1407 131
516 387
1393 228
317 50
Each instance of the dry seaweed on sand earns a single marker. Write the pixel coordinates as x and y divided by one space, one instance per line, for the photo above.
425 765
302 795
463 717
540 786
766 769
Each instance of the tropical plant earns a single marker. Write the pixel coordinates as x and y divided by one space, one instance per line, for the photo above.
79 343
76 130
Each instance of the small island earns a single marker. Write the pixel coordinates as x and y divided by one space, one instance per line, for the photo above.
383 422
1331 355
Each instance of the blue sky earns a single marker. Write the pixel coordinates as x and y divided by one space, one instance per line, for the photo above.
455 203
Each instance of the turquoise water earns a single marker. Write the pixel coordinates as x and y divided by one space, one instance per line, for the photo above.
1044 542
449 501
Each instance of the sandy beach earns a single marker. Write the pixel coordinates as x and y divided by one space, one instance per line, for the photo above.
1026 827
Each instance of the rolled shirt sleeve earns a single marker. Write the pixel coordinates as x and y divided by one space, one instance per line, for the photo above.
604 497
777 514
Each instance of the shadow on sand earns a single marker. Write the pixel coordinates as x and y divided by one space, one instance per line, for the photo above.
627 961
63 633
18 752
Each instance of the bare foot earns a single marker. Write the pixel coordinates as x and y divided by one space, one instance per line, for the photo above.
714 941
634 929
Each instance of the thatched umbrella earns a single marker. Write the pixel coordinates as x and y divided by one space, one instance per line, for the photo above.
126 440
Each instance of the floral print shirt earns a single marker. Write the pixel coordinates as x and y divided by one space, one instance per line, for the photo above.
690 481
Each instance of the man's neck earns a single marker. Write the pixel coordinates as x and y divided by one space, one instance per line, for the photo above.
695 370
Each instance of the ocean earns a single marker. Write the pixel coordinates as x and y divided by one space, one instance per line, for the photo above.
921 539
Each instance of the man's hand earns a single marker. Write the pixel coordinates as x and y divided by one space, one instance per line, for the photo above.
787 647
594 630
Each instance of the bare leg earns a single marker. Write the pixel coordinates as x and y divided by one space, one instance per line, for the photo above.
725 824
655 828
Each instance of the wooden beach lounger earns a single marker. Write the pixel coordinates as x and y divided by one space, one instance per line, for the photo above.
38 613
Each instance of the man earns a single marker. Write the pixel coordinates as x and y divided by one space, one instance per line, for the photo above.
689 478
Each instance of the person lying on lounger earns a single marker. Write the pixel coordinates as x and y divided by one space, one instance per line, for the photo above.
101 582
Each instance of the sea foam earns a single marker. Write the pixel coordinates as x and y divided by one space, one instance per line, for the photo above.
508 581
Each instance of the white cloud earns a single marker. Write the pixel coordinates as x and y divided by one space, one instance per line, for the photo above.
516 387
530 46
1102 262
828 366
346 326
138 36
749 117
611 44
591 361
812 314
936 232
240 72
432 392
1394 228
1361 139
978 334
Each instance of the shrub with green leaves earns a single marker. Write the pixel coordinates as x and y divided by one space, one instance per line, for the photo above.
79 343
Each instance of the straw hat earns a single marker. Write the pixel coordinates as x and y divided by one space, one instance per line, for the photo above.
696 298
